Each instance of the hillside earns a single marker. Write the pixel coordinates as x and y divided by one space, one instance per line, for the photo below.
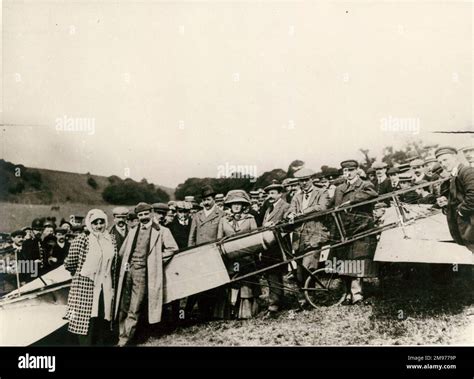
55 186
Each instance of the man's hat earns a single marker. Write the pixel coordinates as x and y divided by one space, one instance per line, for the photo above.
379 165
254 194
393 171
61 230
18 233
142 207
219 197
120 211
274 186
445 150
37 223
350 163
160 207
304 173
184 205
25 228
371 170
405 178
416 163
466 148
430 160
132 216
207 191
189 199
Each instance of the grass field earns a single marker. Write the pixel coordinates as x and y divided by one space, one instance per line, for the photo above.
418 311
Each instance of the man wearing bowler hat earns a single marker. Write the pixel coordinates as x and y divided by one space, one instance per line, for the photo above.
204 229
141 272
459 203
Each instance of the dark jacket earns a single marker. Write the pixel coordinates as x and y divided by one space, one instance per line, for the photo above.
356 220
180 232
460 209
118 237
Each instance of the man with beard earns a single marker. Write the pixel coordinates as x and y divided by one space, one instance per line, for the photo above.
468 152
275 213
141 272
459 203
382 183
309 235
181 225
204 229
119 229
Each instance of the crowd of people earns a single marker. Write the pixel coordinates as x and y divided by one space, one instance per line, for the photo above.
117 269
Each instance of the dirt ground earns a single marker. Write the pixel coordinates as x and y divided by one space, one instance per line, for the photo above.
416 307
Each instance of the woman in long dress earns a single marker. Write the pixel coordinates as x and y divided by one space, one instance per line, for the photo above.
91 261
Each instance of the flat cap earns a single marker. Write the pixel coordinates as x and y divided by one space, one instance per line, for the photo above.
445 150
350 163
61 230
467 148
142 207
219 197
18 233
378 165
371 170
189 198
430 160
274 186
416 163
160 207
184 205
393 171
120 211
304 173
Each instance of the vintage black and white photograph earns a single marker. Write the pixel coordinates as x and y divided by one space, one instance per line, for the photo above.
237 173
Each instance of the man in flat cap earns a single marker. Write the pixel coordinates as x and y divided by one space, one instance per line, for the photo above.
160 211
382 182
355 220
204 229
274 214
458 202
418 170
468 152
310 234
141 272
119 229
181 225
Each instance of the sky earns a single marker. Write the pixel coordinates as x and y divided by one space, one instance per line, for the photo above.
168 90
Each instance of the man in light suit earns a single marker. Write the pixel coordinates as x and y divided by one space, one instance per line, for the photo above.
204 229
275 213
310 234
141 272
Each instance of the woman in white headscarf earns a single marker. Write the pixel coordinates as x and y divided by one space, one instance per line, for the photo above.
91 261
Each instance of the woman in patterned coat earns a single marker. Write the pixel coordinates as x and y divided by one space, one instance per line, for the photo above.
91 261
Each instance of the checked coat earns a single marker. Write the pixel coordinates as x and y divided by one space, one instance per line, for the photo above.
79 307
